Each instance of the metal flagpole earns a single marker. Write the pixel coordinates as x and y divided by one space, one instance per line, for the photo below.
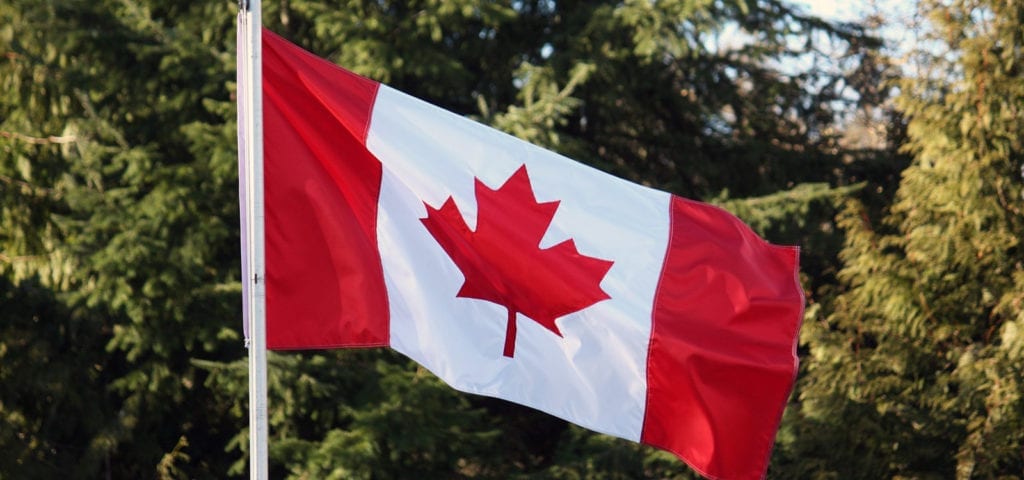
250 104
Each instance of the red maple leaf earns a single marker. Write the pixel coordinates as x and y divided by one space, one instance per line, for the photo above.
502 260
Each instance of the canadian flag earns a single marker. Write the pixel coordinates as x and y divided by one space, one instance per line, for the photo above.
511 271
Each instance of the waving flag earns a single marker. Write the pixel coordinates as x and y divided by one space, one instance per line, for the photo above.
514 272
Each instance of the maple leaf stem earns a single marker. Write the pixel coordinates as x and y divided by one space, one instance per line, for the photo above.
510 334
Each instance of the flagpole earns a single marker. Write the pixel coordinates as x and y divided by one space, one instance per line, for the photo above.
250 102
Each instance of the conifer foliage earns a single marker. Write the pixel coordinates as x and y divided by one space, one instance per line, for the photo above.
917 366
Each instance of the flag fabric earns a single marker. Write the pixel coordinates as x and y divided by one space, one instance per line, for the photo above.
513 272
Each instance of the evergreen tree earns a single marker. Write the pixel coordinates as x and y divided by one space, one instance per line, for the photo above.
118 221
917 368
